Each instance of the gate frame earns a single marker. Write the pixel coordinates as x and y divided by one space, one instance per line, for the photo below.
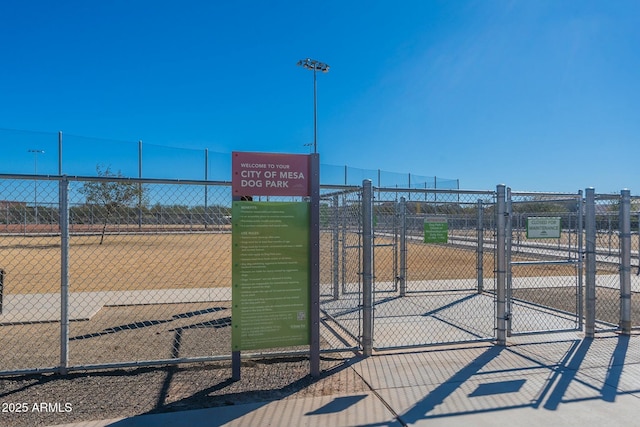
578 261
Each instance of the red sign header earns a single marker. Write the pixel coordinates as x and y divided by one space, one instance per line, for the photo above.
269 174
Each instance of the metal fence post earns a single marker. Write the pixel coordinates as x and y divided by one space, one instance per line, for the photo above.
60 153
343 246
590 280
140 184
509 238
206 187
580 232
501 313
1 287
625 262
480 249
403 246
367 267
314 265
64 275
336 247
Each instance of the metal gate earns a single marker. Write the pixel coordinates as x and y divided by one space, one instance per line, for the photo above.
341 264
608 258
483 274
413 291
544 258
432 286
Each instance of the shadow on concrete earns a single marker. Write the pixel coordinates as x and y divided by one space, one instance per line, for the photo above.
566 372
338 404
437 397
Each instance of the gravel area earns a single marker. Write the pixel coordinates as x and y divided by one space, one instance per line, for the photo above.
85 396
149 332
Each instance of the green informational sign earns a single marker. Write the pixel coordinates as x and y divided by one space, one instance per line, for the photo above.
436 229
271 276
543 227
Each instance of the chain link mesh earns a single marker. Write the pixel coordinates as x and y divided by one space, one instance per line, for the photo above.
426 286
635 262
544 286
340 267
150 274
30 264
607 262
153 282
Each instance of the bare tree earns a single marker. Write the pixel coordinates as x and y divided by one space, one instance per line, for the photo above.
112 195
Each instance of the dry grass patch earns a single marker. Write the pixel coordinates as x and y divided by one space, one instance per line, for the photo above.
122 262
203 260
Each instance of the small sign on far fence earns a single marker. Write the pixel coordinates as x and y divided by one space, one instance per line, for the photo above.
543 227
436 229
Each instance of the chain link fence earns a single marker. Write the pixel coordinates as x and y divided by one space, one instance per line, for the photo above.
148 273
47 153
144 276
104 272
634 273
341 262
30 261
420 288
616 238
608 261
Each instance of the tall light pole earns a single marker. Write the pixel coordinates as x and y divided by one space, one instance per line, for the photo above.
312 64
35 182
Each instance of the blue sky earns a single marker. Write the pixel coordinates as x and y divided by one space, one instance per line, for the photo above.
538 95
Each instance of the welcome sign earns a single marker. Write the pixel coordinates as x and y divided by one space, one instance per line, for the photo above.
271 274
269 174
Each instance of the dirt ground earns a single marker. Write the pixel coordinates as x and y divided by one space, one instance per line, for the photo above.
122 262
172 260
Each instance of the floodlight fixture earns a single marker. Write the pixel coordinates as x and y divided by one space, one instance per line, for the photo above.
315 66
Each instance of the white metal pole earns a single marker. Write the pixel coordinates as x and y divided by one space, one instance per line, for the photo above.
315 113
580 229
509 238
403 246
590 261
60 153
480 248
64 275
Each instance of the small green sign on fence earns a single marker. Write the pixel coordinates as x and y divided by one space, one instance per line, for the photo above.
436 229
543 227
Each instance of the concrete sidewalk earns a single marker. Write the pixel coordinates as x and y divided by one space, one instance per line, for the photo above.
23 308
553 379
